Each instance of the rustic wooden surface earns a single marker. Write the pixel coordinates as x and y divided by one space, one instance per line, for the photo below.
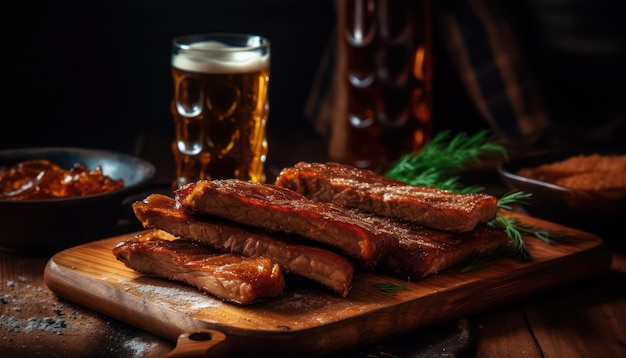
309 319
34 322
585 319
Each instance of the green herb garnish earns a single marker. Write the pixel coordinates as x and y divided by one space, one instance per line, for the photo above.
439 162
514 230
512 197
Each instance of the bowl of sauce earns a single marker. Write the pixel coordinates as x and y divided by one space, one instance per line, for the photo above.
53 198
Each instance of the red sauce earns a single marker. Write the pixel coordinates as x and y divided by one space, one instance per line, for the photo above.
42 179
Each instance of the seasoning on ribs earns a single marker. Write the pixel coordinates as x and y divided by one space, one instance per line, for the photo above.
275 208
233 278
326 267
367 191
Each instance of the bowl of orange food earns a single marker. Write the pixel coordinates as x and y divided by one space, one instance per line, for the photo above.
584 190
56 197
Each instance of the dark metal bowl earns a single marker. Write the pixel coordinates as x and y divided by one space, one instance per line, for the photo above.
42 227
597 212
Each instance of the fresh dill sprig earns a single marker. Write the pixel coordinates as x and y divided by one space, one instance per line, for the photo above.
512 197
516 247
391 287
439 162
514 230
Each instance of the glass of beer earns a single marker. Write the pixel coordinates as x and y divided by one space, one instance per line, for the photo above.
220 106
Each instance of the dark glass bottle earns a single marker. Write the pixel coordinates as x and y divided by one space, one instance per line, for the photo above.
387 78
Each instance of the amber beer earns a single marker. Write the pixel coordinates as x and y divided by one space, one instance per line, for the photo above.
220 106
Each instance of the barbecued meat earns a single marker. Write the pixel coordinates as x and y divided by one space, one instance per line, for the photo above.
233 278
422 252
275 208
410 249
367 191
326 267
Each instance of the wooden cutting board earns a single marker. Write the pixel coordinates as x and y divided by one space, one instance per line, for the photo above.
308 319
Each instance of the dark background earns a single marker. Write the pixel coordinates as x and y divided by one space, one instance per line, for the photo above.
96 73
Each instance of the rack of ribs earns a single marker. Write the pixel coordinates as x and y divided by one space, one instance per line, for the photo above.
411 250
322 222
370 192
331 269
233 278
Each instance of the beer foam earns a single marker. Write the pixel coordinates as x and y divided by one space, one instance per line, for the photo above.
199 58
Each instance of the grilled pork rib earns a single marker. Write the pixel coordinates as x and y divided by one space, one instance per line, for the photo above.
233 278
422 252
279 209
326 267
367 191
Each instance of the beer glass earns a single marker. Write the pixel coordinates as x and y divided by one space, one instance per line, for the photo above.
220 106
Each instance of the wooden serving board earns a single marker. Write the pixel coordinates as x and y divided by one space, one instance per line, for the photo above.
308 319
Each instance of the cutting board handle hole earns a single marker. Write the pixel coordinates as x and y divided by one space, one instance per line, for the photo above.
201 336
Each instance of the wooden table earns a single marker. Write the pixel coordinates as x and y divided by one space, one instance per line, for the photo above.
582 319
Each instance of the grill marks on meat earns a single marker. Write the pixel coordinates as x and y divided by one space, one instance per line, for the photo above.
370 192
326 267
233 278
422 252
279 209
